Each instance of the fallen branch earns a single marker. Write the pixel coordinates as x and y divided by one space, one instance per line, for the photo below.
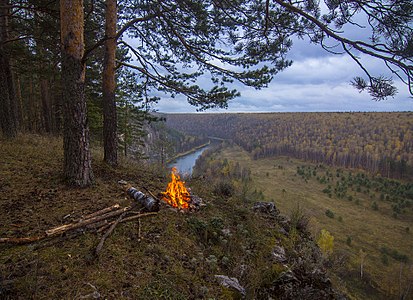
71 226
101 212
138 216
97 224
21 241
106 235
127 219
97 220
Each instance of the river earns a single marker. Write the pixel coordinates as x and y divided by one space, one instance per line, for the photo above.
185 163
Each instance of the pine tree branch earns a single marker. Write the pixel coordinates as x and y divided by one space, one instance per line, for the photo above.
366 48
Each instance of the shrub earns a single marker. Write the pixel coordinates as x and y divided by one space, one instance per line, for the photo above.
298 219
394 254
327 190
329 214
385 259
224 188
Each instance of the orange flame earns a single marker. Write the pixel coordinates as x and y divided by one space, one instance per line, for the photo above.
176 193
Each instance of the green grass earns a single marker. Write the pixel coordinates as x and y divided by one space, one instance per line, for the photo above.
368 229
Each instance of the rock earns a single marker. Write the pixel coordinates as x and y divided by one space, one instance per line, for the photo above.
196 202
266 208
225 261
212 260
226 232
283 231
241 270
279 254
203 291
231 282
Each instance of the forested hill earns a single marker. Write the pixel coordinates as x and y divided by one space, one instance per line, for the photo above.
378 142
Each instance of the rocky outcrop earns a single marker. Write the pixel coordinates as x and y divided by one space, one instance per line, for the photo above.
303 276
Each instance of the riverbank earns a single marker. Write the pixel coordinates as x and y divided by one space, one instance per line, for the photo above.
188 152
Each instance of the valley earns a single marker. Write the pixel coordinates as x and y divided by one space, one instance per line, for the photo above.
364 234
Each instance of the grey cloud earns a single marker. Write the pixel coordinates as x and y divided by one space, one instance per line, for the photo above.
310 84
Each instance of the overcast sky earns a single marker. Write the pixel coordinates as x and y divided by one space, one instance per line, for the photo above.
317 81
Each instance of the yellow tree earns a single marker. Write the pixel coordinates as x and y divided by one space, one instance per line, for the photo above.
325 242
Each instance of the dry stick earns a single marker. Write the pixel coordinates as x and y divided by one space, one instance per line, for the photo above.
64 228
104 227
106 235
101 212
27 240
21 241
138 216
139 228
150 193
97 224
131 218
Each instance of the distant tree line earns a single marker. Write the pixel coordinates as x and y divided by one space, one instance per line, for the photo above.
376 142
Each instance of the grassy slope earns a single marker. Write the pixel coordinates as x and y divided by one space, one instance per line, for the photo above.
368 229
176 258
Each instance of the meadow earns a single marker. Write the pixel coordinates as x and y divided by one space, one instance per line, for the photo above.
367 236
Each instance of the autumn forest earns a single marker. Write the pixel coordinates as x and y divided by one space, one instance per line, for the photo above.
381 143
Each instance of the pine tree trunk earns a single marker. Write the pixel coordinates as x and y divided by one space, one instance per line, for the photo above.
110 142
57 111
19 102
8 110
77 157
46 105
31 107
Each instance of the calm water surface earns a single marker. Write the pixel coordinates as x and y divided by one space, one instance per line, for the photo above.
186 163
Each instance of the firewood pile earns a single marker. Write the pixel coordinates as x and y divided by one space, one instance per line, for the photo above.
104 220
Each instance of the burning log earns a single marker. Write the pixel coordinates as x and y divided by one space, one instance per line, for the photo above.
179 196
176 194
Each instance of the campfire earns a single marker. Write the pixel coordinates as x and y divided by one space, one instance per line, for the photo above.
176 194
